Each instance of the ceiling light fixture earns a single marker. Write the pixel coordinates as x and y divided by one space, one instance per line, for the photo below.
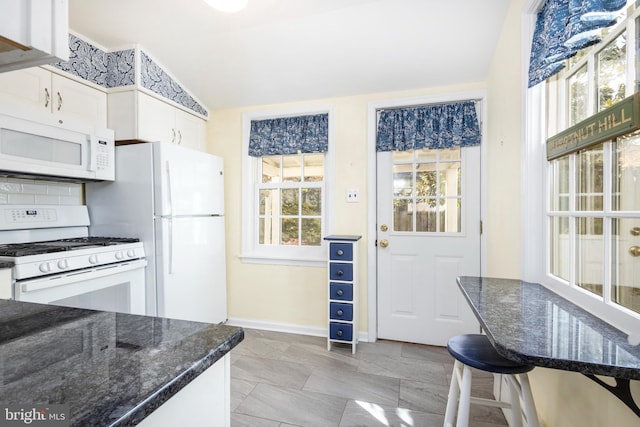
228 6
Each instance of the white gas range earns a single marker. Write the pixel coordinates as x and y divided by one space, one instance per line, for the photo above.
57 262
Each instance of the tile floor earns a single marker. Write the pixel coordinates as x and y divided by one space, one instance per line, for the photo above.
286 380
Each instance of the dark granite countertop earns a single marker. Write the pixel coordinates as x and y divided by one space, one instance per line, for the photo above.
529 323
110 368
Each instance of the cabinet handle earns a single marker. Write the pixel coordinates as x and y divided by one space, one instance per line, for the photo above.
339 333
179 137
340 313
59 101
340 252
173 135
47 97
340 292
339 273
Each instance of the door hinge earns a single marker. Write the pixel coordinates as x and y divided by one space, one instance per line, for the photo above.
376 243
480 227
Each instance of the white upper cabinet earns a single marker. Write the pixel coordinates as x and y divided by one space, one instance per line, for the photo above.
33 32
135 115
40 91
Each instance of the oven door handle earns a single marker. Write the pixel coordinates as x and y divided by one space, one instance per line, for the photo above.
39 284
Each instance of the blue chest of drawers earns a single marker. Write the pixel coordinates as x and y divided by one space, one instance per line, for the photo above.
343 290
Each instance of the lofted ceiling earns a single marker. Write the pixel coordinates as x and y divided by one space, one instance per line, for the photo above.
278 51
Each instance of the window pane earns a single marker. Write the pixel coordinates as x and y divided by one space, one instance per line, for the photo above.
426 179
313 167
611 72
426 155
271 169
269 202
450 182
560 184
578 96
311 201
450 215
590 174
626 174
559 230
426 215
402 180
402 215
589 254
289 231
311 232
268 231
290 201
625 275
291 168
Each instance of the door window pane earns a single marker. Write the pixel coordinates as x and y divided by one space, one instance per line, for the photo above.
625 251
589 254
560 245
626 174
426 215
451 215
590 179
402 215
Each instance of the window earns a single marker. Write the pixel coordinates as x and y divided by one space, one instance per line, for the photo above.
593 199
286 206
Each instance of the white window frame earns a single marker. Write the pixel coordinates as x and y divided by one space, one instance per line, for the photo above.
251 251
535 185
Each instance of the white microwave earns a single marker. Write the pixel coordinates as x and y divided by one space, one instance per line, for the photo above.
53 151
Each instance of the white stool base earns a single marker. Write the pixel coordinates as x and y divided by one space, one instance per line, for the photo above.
459 399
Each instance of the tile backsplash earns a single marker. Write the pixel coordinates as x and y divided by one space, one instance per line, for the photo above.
17 191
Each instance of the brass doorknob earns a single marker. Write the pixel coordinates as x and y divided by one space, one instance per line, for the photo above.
385 243
634 250
384 227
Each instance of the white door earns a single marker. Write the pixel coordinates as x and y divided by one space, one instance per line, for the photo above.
428 234
188 182
191 276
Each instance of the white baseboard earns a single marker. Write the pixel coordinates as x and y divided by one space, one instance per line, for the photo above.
286 327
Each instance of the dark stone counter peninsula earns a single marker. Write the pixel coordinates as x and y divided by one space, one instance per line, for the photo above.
531 324
109 368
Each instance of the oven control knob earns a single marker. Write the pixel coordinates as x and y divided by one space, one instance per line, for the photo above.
63 264
45 267
131 253
93 259
119 255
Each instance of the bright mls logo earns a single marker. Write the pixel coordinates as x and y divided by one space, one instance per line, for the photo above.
33 415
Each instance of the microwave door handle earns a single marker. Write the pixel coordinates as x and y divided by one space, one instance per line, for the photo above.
93 152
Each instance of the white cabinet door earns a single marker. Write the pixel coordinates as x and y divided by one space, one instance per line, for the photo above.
30 88
155 119
191 130
74 100
36 90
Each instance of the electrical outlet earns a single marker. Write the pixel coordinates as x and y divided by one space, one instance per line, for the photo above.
353 196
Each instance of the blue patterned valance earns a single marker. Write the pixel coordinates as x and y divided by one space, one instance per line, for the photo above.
429 126
563 27
289 135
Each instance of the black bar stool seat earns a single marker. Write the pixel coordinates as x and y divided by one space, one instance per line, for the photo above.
476 351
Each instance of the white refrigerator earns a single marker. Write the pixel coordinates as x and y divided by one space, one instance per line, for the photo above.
171 197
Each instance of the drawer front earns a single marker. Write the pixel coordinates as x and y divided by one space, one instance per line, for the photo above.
341 311
341 251
341 291
341 271
341 331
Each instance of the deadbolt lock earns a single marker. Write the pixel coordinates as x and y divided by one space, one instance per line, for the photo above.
635 231
384 227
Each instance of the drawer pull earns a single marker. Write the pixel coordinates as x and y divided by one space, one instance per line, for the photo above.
340 252
339 333
339 273
340 313
340 292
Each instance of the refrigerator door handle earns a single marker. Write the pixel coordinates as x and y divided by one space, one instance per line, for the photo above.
169 189
170 242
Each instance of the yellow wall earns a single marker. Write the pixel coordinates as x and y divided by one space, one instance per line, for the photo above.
297 295
562 398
